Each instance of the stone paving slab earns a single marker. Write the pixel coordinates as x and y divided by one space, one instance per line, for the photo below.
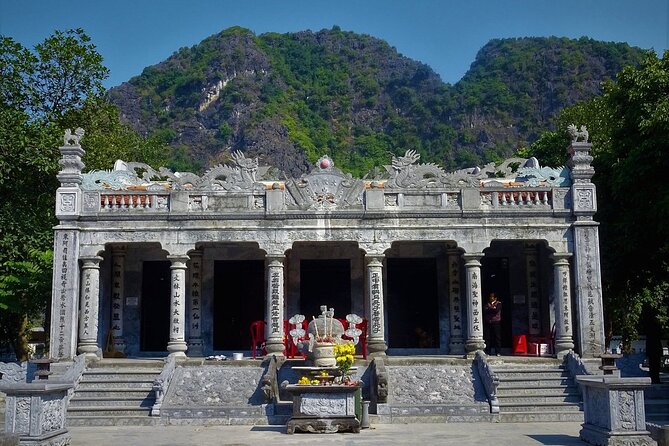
461 434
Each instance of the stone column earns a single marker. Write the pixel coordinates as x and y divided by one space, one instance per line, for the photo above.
456 346
587 274
533 301
195 344
474 340
563 332
64 294
588 290
274 315
118 297
177 343
376 340
89 304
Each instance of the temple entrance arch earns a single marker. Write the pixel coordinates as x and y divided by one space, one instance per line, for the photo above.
155 310
325 282
324 273
413 306
239 299
520 273
417 296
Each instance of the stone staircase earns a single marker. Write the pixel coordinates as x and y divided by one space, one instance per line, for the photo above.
537 393
656 399
115 392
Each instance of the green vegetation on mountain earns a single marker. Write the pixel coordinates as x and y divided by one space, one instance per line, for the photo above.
290 98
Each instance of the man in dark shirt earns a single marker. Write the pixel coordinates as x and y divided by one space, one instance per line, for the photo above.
493 319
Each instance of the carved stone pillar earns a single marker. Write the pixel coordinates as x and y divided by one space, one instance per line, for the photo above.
533 301
177 343
118 297
376 341
64 294
89 304
474 340
195 344
456 346
563 332
274 314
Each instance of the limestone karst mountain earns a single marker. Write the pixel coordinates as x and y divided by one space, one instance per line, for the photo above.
290 98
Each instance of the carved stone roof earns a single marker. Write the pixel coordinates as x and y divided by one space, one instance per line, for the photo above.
327 187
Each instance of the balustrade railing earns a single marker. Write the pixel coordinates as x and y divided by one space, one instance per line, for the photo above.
120 201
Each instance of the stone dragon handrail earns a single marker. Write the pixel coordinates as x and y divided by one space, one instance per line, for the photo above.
574 365
269 383
379 380
162 383
13 372
490 380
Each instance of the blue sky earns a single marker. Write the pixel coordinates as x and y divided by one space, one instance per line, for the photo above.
445 34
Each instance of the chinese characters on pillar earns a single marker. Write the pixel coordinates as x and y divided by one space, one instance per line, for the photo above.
476 295
565 301
275 309
376 302
117 297
592 330
195 286
533 294
177 311
454 287
86 319
62 294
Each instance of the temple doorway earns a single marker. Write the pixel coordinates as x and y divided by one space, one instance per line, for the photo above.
239 299
325 282
155 311
495 274
413 304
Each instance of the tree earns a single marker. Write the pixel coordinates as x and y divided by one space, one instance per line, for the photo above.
43 92
629 125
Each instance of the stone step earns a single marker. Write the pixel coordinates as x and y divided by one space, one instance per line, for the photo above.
121 392
437 409
531 375
539 407
108 411
531 400
214 413
536 390
432 418
519 382
112 376
78 401
657 405
127 364
532 417
102 420
104 385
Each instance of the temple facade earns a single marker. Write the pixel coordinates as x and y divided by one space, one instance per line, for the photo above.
150 263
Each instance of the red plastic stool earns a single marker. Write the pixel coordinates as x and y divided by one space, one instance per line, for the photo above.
520 345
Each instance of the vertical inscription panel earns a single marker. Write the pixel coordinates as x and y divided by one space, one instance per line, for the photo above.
64 295
589 291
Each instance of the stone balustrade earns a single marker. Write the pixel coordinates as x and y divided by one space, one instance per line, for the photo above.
436 202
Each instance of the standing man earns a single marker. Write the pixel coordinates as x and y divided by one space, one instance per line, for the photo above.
493 319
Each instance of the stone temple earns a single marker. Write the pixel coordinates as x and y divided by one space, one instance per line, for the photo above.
162 274
157 263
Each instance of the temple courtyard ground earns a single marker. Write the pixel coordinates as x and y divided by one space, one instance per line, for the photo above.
462 434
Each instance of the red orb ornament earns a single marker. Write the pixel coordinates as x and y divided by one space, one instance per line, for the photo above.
325 163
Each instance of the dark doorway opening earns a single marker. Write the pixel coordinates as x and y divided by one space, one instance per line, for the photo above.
495 272
413 304
155 313
239 299
325 282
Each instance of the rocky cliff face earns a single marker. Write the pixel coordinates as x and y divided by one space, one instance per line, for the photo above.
290 98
